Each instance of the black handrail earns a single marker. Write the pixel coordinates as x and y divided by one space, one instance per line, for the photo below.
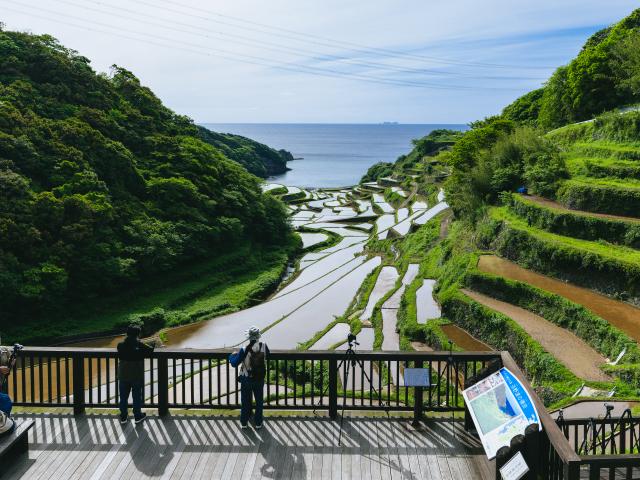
196 378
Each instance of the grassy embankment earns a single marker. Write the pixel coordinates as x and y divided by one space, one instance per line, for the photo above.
231 282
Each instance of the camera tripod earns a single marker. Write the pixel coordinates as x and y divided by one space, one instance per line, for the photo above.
349 362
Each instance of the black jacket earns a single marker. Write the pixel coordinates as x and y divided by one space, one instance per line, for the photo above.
131 355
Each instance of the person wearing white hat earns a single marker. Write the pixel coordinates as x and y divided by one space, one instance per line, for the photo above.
253 369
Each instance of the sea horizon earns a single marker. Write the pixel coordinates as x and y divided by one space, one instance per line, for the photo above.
333 154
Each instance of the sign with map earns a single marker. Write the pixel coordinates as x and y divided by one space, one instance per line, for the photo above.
501 408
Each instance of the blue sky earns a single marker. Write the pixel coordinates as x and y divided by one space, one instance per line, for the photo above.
329 61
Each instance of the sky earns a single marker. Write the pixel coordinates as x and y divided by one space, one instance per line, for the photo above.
325 61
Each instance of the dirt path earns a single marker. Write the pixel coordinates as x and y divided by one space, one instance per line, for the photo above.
568 349
545 202
619 314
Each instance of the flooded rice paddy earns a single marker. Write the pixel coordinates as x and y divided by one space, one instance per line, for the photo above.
311 239
337 334
464 339
426 305
384 283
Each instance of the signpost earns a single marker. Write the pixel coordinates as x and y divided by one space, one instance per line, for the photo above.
501 408
417 377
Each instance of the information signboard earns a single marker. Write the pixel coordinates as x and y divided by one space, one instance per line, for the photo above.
417 377
501 408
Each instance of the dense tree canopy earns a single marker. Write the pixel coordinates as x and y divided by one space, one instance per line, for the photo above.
102 186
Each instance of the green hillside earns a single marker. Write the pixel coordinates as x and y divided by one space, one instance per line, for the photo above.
603 76
103 188
567 249
257 158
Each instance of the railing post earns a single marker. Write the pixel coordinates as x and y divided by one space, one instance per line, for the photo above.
572 471
333 388
468 421
163 386
532 451
502 456
78 384
417 400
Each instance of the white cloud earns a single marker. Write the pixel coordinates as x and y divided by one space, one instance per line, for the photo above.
214 89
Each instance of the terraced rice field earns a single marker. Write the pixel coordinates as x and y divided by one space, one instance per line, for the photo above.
571 351
326 281
617 313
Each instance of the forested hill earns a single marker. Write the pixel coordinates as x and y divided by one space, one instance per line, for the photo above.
101 186
256 157
603 76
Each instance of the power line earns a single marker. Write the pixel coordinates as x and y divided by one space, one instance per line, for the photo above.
305 37
279 47
251 59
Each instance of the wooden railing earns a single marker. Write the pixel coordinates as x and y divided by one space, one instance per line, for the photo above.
560 451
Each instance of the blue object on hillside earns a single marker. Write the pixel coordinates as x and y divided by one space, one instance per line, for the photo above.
236 358
523 190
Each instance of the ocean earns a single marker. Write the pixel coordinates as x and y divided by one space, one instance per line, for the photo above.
333 155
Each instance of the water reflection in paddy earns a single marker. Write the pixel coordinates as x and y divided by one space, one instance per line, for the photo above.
311 239
386 281
402 214
384 223
419 205
322 267
426 306
432 212
321 310
338 333
229 329
409 276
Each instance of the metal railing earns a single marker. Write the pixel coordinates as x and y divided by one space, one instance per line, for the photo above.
559 452
186 378
81 378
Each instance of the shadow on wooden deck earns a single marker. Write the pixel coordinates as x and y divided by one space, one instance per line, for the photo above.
191 446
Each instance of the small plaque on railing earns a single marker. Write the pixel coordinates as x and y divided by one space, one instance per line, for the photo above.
514 469
417 377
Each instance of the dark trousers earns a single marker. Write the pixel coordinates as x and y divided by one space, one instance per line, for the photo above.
135 389
248 389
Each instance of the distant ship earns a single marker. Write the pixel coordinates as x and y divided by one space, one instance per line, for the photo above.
389 123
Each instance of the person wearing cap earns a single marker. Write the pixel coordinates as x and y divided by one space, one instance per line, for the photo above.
131 355
252 374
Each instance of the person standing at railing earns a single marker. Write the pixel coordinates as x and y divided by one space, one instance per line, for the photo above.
131 355
5 355
253 369
7 361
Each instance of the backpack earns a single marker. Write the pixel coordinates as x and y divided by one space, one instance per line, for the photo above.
5 403
6 423
235 358
257 363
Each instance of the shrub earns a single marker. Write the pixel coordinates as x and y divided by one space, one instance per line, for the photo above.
590 265
574 224
600 197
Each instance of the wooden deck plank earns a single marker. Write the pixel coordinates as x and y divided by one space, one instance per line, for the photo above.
193 447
